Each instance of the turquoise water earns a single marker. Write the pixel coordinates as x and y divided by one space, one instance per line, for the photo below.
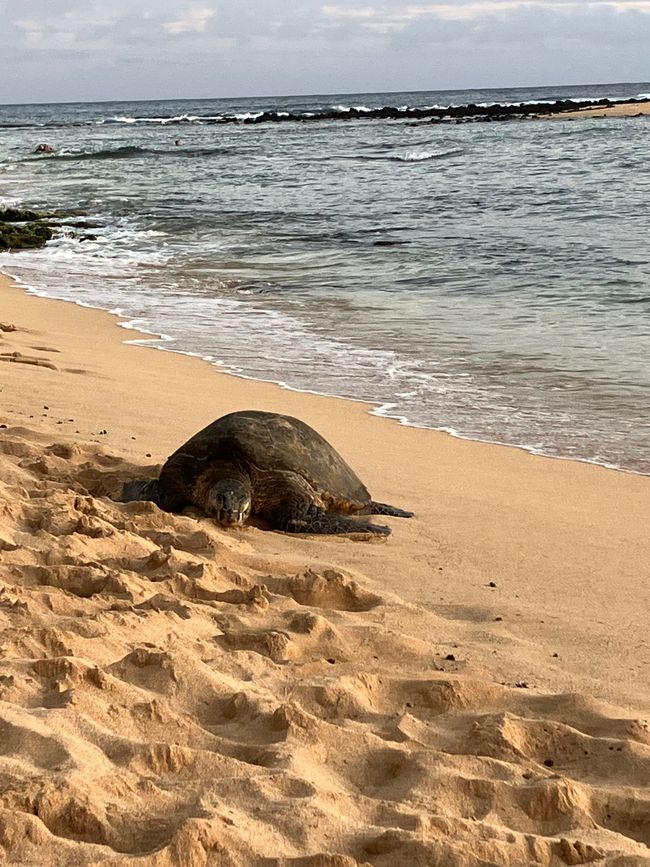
490 279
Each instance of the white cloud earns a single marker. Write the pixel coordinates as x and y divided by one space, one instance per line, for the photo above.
89 49
349 12
396 13
195 20
74 29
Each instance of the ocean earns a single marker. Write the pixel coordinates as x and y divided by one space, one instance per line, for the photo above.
487 279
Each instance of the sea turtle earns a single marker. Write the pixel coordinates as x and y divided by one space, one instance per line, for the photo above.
266 464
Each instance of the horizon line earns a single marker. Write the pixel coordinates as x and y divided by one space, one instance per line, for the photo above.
321 94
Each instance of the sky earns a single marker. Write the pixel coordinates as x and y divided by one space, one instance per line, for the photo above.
85 50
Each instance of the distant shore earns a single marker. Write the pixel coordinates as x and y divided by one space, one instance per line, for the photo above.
622 109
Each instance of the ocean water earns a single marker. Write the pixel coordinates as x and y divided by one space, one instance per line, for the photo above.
488 279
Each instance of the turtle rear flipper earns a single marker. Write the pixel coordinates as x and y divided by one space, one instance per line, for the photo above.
141 489
385 509
313 519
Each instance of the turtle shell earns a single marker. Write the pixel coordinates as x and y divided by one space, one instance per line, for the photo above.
265 441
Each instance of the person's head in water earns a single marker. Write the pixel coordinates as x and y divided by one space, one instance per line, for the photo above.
177 142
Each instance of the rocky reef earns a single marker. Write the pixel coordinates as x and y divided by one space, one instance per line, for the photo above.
435 114
23 230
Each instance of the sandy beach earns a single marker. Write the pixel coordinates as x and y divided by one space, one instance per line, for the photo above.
623 109
471 691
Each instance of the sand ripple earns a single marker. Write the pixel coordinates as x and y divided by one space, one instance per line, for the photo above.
166 701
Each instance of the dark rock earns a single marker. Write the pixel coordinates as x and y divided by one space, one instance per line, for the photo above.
29 236
451 114
83 224
14 215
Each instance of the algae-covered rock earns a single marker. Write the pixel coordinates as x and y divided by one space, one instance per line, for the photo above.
21 229
15 215
24 237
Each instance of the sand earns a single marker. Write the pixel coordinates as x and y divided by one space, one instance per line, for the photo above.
621 109
471 691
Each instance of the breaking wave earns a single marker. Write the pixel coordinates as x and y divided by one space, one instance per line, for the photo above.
134 152
421 156
277 113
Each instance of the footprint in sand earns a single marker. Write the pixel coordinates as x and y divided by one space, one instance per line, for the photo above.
149 668
329 589
19 358
272 643
82 581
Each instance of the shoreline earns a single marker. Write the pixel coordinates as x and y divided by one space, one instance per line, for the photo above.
470 690
464 463
148 340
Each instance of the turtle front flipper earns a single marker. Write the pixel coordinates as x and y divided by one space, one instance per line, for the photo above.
140 489
385 509
151 490
316 520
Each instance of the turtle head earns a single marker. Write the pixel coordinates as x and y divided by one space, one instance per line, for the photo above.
229 502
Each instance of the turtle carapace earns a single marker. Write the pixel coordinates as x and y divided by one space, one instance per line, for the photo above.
262 463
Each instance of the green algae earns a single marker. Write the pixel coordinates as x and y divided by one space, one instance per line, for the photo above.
26 236
22 229
14 215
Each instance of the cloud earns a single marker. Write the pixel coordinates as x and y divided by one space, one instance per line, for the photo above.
87 49
73 29
195 20
396 15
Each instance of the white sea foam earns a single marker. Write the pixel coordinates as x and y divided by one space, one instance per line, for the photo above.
419 156
345 108
163 121
180 118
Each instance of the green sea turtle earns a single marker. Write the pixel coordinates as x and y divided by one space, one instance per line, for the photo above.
266 464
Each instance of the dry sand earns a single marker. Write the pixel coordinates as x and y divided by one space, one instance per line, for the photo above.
622 109
469 692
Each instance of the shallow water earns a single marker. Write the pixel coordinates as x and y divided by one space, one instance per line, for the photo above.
491 279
